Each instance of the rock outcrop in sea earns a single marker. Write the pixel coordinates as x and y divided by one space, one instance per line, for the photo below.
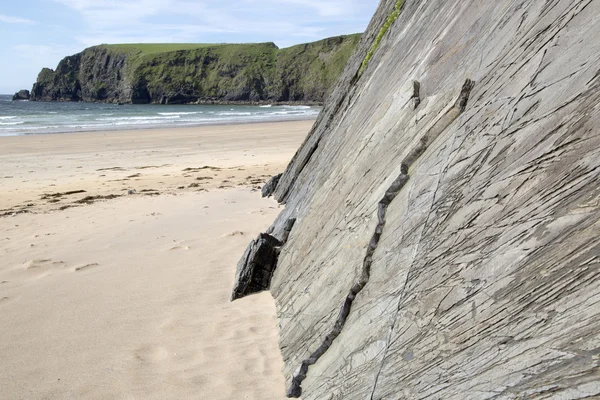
21 95
187 73
446 242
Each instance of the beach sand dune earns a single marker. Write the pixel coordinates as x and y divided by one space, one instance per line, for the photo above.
128 297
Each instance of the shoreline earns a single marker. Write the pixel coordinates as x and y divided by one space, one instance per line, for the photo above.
110 163
158 127
24 118
196 103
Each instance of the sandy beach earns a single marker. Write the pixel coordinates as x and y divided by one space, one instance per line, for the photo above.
117 256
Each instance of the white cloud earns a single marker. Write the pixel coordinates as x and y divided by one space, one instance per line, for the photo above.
116 12
325 8
14 20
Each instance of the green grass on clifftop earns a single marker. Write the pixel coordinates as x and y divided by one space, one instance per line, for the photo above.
155 48
386 26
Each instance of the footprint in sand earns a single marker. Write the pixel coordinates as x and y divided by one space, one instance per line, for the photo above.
87 266
152 354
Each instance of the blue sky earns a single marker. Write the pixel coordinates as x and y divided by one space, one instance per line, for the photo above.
38 33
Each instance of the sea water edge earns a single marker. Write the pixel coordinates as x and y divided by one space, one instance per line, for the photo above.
18 118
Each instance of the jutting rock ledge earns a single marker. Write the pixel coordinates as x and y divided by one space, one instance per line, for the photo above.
446 242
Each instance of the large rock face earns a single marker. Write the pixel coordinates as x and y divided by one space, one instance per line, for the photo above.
447 243
176 73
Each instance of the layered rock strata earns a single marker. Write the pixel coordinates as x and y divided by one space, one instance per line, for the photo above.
445 248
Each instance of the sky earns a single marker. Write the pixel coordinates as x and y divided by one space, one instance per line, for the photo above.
39 33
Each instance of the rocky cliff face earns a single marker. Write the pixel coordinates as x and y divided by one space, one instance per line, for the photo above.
446 242
173 74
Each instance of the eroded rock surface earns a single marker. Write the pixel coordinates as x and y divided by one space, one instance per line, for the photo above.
483 281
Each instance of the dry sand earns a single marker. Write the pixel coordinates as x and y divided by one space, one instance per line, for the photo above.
127 297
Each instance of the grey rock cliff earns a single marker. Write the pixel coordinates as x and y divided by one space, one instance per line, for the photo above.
447 243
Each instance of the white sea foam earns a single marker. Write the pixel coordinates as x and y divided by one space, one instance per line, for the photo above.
12 123
140 119
293 112
142 122
181 113
298 107
40 118
240 114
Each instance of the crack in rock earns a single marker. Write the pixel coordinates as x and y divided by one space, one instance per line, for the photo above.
295 390
416 97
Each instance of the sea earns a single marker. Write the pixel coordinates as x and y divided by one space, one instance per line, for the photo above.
33 118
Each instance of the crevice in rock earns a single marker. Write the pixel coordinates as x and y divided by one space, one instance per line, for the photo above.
416 97
295 390
442 124
255 269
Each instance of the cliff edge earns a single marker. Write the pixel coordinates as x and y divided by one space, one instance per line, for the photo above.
441 235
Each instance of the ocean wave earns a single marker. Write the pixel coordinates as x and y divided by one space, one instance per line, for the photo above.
144 122
293 112
73 118
34 128
11 123
297 107
234 114
148 118
180 113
